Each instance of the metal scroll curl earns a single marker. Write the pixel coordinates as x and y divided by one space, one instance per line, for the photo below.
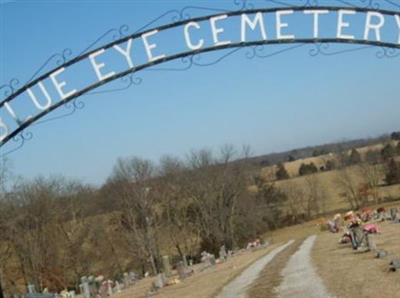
113 34
126 82
71 108
9 89
261 51
387 53
20 140
58 58
325 49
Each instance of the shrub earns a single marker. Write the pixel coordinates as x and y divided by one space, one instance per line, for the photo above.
395 136
392 172
307 169
330 165
388 152
281 174
354 157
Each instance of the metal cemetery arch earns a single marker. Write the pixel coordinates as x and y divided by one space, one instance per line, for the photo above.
18 133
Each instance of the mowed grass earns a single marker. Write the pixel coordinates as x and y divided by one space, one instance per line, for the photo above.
203 284
344 272
347 273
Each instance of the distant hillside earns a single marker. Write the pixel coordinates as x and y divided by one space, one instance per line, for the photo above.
310 151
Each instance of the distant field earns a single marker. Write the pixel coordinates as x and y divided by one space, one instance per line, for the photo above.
328 181
292 167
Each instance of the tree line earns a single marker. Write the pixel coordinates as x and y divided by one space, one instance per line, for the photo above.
53 230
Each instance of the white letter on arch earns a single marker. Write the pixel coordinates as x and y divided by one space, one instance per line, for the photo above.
150 46
188 39
217 31
280 25
3 130
316 13
397 18
59 85
12 113
342 24
376 27
252 24
37 104
126 52
98 66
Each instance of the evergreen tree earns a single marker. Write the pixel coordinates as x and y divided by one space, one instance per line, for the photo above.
330 165
395 136
388 152
392 173
281 174
355 157
307 169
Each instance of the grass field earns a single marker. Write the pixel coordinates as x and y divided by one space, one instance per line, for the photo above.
345 273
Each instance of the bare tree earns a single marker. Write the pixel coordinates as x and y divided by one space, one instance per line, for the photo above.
372 174
215 187
177 206
349 185
134 185
296 200
316 196
4 244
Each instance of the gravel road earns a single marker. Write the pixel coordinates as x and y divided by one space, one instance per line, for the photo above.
299 276
239 286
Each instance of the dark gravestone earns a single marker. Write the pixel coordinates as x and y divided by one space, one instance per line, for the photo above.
212 260
394 265
393 213
38 295
381 254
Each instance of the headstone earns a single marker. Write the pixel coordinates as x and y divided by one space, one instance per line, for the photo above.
72 294
222 253
31 289
103 290
126 280
394 265
393 213
181 270
160 281
133 277
85 288
81 289
109 285
185 262
371 242
381 254
93 286
117 287
205 258
40 295
166 266
212 260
